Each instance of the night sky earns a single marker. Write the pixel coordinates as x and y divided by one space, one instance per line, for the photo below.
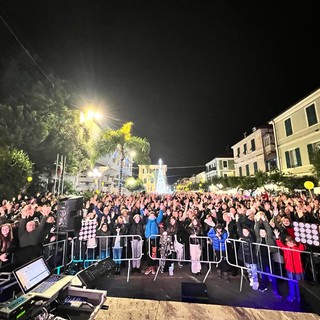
192 76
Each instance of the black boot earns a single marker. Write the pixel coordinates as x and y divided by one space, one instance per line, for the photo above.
118 270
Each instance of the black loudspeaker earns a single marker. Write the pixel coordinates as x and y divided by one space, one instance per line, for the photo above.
69 214
310 296
90 276
194 292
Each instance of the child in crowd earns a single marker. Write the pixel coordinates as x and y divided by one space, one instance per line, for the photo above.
293 264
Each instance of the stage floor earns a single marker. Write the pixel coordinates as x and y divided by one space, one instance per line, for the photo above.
220 292
141 309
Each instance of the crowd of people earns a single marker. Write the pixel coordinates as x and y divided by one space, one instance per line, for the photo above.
170 227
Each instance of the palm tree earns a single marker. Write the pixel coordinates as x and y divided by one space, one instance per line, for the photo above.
123 141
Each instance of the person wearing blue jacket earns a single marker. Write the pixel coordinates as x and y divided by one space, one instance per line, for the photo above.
151 234
218 235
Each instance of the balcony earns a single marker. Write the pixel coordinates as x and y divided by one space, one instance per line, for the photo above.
270 148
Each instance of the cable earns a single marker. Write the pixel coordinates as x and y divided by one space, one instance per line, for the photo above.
26 51
183 167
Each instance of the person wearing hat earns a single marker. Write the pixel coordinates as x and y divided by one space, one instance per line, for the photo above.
136 229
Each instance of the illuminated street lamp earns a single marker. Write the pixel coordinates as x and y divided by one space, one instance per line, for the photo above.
89 116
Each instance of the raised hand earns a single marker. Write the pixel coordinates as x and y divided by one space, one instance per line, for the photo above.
27 211
3 257
46 211
276 233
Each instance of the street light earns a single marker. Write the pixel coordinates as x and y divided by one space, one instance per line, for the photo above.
89 116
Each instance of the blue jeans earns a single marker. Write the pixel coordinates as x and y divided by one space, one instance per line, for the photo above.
294 291
117 253
264 279
104 253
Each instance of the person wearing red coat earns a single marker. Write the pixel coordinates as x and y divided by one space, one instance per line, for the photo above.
292 263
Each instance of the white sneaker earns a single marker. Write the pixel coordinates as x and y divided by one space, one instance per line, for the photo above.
251 282
255 286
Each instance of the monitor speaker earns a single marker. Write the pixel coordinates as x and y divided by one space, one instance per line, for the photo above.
69 213
194 292
90 276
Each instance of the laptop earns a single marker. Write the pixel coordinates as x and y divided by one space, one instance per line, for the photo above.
36 278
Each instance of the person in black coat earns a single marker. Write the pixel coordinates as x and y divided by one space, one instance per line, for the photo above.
247 251
136 229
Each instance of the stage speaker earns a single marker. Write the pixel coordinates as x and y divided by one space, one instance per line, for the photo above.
310 296
69 214
194 292
90 276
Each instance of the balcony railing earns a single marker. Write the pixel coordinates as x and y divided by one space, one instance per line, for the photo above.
270 148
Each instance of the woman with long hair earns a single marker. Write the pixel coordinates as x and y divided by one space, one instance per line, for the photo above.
6 239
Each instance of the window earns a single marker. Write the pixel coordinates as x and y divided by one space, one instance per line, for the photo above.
247 170
253 145
238 152
225 164
293 158
267 140
311 115
240 171
311 148
255 167
245 148
288 127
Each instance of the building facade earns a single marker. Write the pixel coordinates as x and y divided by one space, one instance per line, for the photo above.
297 135
149 173
106 174
219 167
201 177
255 152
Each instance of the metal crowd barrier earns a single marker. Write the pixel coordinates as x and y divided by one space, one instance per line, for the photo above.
56 254
63 253
88 252
168 251
274 263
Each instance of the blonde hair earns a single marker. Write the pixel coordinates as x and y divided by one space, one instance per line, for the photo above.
10 228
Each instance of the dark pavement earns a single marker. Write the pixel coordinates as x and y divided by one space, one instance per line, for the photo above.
220 292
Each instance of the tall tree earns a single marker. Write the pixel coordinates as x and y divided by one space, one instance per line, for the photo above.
39 119
15 168
123 141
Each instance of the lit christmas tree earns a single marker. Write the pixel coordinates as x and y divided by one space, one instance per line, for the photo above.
161 186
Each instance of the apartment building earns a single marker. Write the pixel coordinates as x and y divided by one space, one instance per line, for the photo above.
297 134
149 175
201 177
255 152
220 167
